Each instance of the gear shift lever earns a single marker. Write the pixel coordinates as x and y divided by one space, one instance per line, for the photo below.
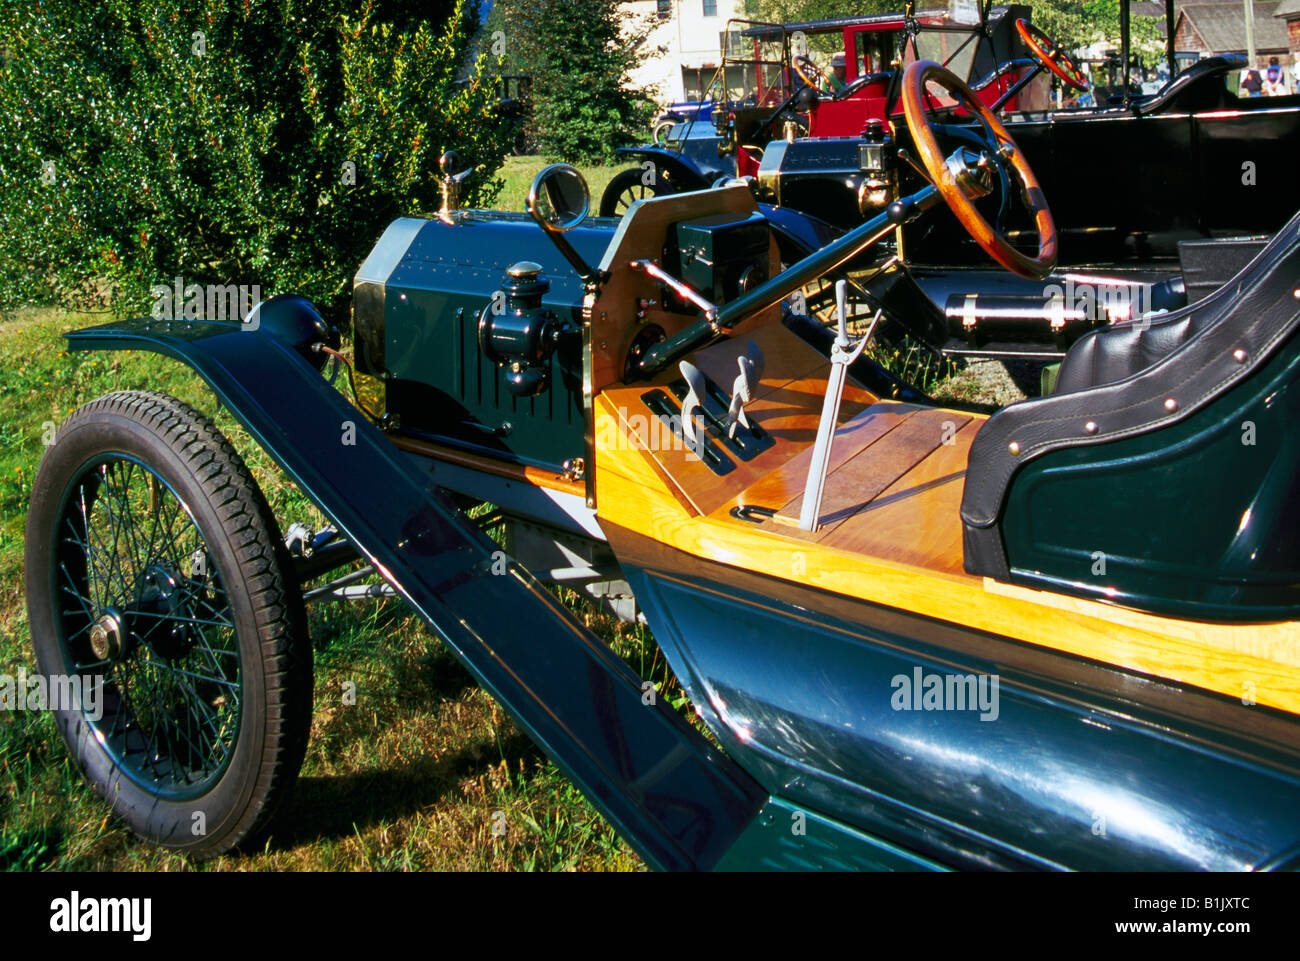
843 353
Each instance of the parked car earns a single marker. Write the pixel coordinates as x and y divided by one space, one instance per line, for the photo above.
779 81
1146 235
923 636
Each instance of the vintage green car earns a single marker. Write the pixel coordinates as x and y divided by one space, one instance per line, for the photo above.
1062 634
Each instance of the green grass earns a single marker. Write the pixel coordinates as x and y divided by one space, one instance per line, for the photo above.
518 174
408 778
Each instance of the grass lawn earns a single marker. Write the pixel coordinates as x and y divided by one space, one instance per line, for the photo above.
408 778
518 173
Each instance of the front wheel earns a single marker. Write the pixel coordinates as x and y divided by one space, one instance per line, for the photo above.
158 586
629 186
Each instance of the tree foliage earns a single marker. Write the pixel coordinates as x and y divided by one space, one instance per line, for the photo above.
580 55
258 142
796 11
1076 24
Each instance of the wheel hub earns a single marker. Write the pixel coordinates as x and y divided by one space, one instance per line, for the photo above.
107 639
162 602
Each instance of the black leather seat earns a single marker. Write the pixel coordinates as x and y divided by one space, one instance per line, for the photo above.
1125 381
1111 354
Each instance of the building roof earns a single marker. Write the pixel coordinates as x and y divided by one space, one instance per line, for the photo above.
1223 25
1148 8
1288 8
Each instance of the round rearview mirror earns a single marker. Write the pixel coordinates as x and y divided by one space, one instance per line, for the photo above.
559 199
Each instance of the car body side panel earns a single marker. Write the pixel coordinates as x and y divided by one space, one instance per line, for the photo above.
1065 764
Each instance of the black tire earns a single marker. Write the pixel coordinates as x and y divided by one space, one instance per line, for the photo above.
628 186
206 696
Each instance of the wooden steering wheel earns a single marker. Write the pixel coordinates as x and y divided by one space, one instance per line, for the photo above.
818 81
1000 150
1049 53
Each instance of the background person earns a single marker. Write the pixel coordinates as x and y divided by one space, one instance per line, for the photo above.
1252 82
1275 80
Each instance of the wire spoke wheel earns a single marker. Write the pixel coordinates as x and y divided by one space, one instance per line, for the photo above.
156 576
145 611
629 186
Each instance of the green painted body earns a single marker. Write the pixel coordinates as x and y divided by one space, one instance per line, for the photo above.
722 255
1199 520
785 837
437 380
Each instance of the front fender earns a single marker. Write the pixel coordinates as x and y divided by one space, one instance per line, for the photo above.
675 798
798 234
685 172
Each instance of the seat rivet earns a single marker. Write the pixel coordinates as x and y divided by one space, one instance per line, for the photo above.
1171 405
1014 447
1090 427
1239 355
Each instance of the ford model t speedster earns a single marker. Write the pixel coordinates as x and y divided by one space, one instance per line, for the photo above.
1063 634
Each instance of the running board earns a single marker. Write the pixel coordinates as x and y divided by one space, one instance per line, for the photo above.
676 799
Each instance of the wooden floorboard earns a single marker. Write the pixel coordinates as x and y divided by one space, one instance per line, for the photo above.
876 466
917 519
788 410
782 486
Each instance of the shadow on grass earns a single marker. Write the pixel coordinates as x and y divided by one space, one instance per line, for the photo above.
337 807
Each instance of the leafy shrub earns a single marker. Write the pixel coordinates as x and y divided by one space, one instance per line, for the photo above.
580 54
254 142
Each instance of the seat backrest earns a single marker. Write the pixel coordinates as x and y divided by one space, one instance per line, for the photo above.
1219 65
1111 354
1240 328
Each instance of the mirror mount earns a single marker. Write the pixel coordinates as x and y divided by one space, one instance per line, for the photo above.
559 200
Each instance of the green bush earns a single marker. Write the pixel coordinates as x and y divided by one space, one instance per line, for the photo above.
580 54
254 142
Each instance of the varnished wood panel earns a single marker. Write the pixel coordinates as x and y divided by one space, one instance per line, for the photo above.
903 548
1217 657
787 409
489 465
787 358
783 413
876 466
641 236
782 486
917 519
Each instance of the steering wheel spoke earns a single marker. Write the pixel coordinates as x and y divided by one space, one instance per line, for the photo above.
811 74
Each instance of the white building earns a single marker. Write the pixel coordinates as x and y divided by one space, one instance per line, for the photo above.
690 33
